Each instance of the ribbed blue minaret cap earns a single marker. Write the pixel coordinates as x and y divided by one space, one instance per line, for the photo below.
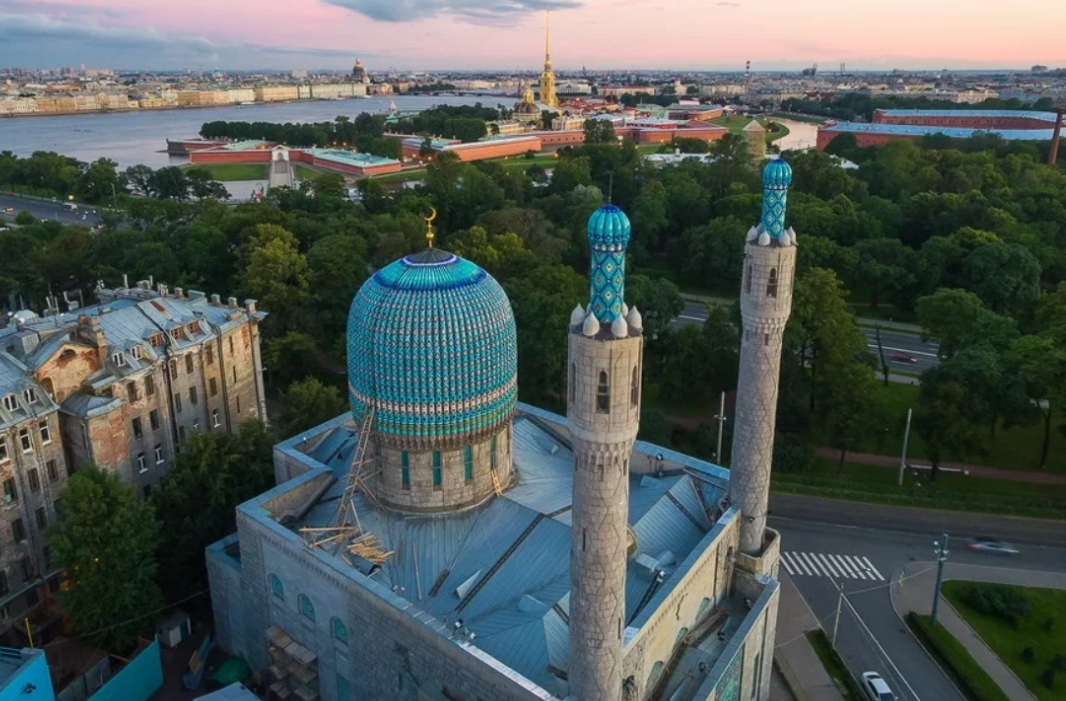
608 229
776 179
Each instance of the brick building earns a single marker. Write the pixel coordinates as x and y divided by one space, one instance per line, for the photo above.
119 385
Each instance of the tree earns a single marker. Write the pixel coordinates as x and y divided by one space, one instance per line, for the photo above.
169 183
106 541
1005 276
658 301
940 421
336 269
307 403
885 265
196 501
100 181
1041 365
290 357
854 412
140 177
655 427
650 216
599 131
276 275
947 316
204 186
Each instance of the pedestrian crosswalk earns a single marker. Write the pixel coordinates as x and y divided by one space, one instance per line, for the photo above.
835 566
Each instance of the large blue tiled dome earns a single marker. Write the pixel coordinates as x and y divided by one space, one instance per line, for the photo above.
431 344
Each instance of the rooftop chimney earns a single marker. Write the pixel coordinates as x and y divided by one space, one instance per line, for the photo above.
216 300
232 302
249 304
1053 154
179 293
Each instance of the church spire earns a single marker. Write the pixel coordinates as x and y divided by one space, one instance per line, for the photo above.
547 77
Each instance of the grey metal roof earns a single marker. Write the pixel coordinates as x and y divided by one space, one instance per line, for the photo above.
87 405
1048 117
15 379
453 566
954 132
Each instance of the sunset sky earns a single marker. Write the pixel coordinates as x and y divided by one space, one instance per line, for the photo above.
508 34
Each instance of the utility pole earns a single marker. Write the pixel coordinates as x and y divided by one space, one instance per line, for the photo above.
940 549
903 455
836 619
720 418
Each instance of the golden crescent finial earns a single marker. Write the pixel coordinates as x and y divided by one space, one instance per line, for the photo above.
429 226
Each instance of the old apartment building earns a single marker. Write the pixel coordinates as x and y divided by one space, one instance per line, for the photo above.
119 384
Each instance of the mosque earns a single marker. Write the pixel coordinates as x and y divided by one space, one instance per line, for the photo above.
444 541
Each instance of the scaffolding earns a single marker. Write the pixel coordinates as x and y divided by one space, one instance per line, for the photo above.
345 529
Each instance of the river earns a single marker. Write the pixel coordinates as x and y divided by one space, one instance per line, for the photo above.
136 137
801 135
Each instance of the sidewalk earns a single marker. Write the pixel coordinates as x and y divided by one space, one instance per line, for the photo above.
975 470
916 594
794 654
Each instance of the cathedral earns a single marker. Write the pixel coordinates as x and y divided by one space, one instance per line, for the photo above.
443 541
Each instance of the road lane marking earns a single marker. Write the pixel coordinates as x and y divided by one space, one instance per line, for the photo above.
691 318
858 567
844 566
903 350
784 561
872 568
825 562
803 566
814 565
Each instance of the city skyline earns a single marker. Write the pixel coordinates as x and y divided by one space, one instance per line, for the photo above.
467 35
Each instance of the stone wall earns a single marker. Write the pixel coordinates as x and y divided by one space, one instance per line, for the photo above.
420 494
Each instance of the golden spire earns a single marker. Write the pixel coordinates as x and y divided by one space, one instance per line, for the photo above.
429 226
547 38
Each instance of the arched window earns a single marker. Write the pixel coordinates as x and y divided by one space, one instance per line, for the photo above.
276 587
634 390
340 631
704 605
681 635
573 381
468 463
405 470
436 470
653 678
307 609
771 286
603 394
747 281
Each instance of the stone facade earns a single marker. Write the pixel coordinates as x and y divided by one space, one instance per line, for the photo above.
603 410
441 480
765 304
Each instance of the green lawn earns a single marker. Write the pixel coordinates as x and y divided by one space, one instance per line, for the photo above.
951 491
967 673
305 173
1008 642
236 171
834 666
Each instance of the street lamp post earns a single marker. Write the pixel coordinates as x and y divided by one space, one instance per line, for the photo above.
836 619
903 455
940 549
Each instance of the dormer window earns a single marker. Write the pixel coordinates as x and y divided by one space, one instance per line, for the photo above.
11 403
119 359
30 394
178 332
194 328
156 340
136 352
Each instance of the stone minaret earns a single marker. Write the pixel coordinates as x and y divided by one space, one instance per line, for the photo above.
765 304
603 409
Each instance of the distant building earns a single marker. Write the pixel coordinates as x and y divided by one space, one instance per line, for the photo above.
893 125
119 385
359 73
755 134
547 77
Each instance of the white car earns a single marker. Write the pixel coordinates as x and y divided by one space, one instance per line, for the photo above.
875 687
991 545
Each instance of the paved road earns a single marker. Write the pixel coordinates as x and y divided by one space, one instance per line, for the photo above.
868 560
46 210
910 345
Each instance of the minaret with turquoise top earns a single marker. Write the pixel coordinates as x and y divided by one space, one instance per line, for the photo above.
603 408
765 305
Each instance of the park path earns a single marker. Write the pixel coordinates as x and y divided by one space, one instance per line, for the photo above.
915 593
996 473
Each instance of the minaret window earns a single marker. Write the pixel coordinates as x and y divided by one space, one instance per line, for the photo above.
634 391
747 282
468 463
771 286
573 381
436 470
405 470
603 394
492 453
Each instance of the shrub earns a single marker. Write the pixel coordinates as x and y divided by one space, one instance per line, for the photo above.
1047 677
1000 601
24 218
1028 655
1049 624
1058 663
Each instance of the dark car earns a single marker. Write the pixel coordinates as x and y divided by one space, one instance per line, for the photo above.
901 357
